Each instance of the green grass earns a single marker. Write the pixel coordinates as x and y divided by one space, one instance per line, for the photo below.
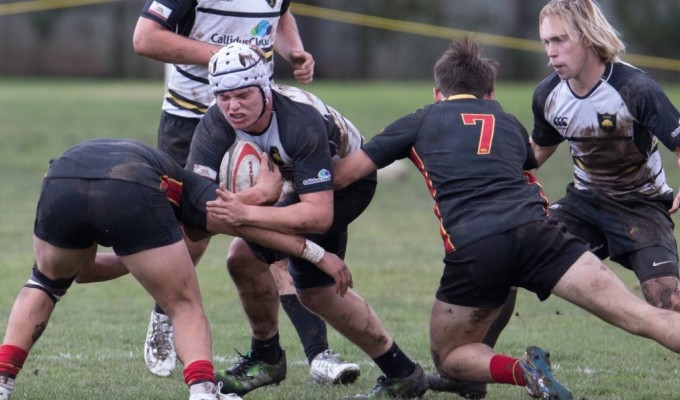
93 345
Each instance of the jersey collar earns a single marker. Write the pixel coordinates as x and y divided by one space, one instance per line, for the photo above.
460 96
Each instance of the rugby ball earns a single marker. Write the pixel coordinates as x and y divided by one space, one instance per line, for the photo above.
240 166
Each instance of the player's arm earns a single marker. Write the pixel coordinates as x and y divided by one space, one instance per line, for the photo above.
352 168
153 40
288 45
312 214
293 245
676 201
542 153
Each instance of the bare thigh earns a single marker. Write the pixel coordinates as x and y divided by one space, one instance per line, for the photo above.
452 326
59 263
167 273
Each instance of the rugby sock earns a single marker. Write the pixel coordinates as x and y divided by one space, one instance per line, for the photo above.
394 363
311 329
505 369
268 350
12 359
198 372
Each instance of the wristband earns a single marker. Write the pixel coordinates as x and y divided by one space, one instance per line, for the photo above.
312 252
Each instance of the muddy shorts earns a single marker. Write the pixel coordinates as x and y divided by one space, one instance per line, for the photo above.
634 231
533 256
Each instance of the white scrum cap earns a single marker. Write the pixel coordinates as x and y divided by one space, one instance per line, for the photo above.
237 66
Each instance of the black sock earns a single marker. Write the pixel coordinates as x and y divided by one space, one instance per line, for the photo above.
311 329
158 310
394 363
268 350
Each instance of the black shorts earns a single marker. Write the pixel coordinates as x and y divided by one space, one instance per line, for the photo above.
174 136
533 256
348 204
634 231
76 213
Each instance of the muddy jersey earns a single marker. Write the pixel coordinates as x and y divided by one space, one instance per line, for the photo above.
217 22
136 162
302 137
612 131
473 156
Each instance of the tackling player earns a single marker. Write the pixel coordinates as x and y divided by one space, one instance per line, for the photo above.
495 229
126 195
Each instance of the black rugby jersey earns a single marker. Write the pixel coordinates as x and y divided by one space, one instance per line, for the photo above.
303 136
473 156
612 131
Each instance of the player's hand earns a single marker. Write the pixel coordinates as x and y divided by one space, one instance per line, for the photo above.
269 180
676 204
227 207
336 267
303 65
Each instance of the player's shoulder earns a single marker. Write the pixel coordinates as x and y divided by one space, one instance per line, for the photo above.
545 87
294 105
626 78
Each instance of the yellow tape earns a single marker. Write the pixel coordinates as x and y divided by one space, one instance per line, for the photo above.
42 5
371 22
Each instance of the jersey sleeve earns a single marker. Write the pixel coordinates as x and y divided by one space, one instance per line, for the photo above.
304 135
285 6
543 133
168 13
530 162
654 110
396 140
212 138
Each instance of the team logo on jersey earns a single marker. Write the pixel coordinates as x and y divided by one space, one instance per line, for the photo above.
607 122
561 122
262 29
271 3
275 154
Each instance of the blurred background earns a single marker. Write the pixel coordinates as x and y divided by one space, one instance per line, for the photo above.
350 39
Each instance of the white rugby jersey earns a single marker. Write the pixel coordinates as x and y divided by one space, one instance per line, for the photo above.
612 131
217 22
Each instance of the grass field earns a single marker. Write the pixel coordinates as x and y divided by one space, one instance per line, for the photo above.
93 345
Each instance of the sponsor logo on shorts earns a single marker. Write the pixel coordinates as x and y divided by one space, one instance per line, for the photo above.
656 264
323 176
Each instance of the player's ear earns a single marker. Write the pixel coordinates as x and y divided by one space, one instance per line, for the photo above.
438 96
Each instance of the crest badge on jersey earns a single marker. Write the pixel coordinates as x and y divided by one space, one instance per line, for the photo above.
607 122
271 3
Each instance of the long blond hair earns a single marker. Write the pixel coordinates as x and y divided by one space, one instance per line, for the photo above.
586 18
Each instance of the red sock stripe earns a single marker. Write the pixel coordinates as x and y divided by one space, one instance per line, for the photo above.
506 369
12 359
199 371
